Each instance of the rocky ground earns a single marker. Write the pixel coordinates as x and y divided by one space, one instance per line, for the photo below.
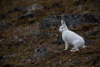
29 35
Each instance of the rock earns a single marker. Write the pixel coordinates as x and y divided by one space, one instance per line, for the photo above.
88 41
94 32
1 57
21 40
20 17
92 18
2 16
1 40
4 25
18 29
18 8
27 15
72 20
60 40
96 3
34 7
49 22
75 62
89 58
42 52
76 2
60 62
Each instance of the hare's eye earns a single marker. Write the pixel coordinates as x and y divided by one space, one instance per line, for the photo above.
61 27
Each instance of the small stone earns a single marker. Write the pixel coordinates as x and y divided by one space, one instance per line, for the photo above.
18 8
70 60
20 17
21 40
1 40
27 15
75 62
76 2
17 29
60 62
89 58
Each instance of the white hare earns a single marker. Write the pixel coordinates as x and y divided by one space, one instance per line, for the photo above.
72 38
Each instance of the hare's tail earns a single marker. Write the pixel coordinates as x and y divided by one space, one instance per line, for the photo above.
84 46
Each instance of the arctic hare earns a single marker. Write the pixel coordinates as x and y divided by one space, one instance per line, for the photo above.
70 37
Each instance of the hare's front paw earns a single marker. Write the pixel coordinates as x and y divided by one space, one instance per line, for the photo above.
65 49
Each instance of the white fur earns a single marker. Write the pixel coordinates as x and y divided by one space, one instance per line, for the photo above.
70 37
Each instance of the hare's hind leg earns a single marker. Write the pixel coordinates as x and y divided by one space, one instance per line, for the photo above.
76 46
74 50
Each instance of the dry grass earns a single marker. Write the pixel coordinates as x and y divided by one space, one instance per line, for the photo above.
51 8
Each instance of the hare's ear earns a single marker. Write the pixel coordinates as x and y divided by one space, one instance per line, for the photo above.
63 23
